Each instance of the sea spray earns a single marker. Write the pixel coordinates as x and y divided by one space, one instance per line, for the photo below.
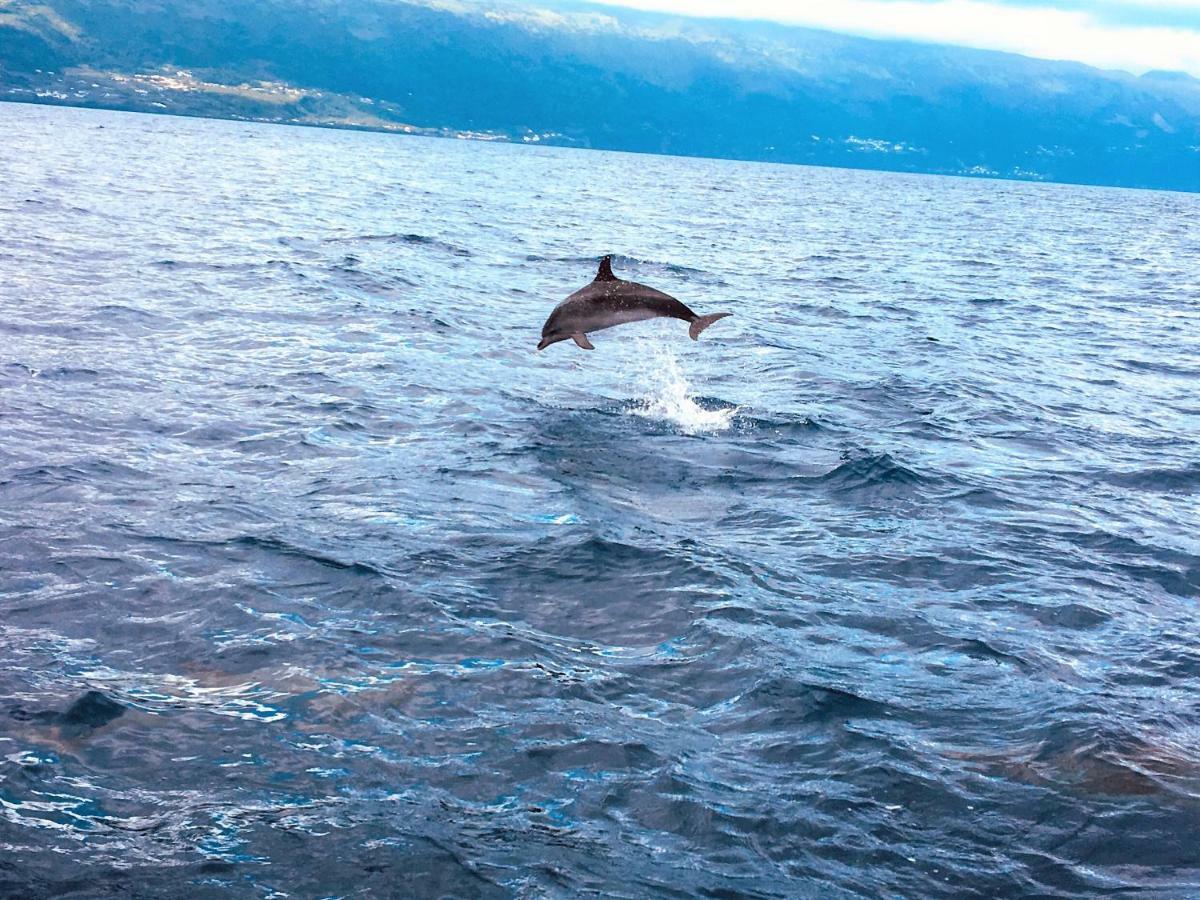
666 394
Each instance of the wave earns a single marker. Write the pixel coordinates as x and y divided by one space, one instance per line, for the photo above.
1184 480
265 545
1174 571
348 275
422 240
206 266
868 472
779 426
18 370
1085 758
834 281
120 309
56 373
1158 367
862 477
97 471
638 263
776 705
276 546
1072 616
634 263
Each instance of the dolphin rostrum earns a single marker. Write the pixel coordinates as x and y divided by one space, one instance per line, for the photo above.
609 301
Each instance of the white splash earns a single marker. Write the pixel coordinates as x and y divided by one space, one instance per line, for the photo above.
667 395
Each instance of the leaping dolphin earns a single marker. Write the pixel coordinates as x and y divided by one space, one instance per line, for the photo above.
609 301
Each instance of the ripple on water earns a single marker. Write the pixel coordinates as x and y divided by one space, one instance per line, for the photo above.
315 575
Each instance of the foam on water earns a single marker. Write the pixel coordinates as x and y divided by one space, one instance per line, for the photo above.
668 396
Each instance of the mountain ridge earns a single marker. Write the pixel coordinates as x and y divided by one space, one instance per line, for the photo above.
581 74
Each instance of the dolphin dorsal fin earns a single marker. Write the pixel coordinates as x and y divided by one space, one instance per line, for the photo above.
606 273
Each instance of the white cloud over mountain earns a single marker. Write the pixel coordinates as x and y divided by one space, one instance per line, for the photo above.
1134 36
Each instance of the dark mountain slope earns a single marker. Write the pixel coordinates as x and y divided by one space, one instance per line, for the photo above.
591 76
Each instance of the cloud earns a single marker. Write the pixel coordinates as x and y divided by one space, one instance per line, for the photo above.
1111 35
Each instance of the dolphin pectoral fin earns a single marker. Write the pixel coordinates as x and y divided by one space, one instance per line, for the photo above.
702 322
582 341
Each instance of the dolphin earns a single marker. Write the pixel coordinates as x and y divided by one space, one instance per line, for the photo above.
609 301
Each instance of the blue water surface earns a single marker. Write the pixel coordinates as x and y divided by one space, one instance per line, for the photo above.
316 581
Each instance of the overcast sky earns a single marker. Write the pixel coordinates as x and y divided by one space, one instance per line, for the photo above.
1136 35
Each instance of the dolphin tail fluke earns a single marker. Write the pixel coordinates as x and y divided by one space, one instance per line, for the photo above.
702 322
582 341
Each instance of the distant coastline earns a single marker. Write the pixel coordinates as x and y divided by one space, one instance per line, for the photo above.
179 93
494 138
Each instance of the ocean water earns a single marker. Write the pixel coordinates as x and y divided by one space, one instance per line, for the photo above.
316 580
